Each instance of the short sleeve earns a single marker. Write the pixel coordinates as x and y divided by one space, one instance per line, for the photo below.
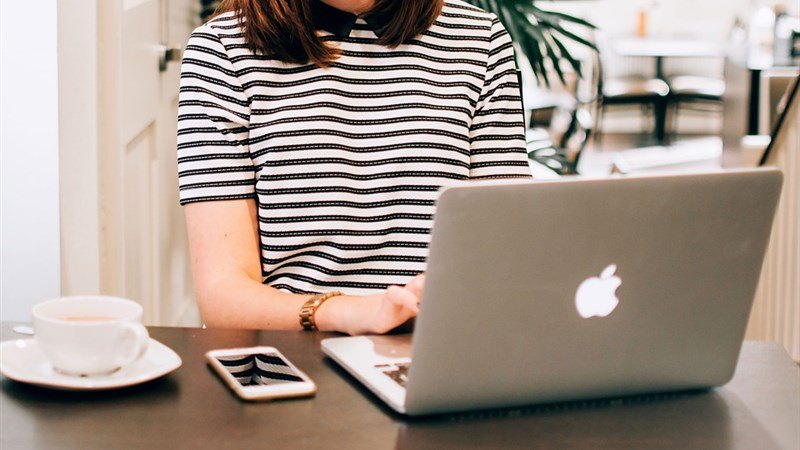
497 133
214 161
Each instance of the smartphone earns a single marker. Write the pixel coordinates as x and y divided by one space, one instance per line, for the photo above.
260 373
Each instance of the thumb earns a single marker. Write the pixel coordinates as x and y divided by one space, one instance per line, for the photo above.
417 286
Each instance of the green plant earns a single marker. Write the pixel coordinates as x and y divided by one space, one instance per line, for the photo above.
542 35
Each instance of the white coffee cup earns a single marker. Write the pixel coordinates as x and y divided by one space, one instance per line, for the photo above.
90 335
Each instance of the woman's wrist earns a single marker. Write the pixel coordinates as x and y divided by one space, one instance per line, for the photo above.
332 315
345 314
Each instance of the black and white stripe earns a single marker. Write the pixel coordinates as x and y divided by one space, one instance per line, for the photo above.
259 369
345 162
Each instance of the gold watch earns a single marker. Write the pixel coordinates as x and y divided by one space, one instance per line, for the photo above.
310 308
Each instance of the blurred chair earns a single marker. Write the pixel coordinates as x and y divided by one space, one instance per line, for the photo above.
697 93
648 93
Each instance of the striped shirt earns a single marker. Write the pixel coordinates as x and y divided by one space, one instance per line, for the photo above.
344 163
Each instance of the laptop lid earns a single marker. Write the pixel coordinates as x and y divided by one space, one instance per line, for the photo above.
666 265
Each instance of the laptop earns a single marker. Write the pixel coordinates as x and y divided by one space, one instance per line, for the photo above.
563 290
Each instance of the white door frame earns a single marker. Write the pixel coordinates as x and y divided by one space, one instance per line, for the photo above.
78 146
93 148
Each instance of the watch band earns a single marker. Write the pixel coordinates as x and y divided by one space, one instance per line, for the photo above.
310 308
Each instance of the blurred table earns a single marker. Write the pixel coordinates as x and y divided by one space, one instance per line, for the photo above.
192 408
661 48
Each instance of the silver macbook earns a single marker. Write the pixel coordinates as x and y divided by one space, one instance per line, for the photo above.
576 289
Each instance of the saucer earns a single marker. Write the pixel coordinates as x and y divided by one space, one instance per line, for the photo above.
22 360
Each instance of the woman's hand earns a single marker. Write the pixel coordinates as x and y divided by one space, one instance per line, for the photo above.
397 305
374 314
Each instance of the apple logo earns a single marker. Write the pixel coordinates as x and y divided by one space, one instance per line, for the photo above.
596 296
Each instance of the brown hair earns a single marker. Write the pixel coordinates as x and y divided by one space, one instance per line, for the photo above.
285 28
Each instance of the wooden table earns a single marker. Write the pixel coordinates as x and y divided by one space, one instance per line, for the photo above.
191 408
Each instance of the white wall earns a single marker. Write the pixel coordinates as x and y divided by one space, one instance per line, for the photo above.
707 18
29 199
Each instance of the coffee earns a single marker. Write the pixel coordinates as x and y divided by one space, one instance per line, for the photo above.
89 318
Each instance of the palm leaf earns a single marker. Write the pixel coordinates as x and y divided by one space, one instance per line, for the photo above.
542 35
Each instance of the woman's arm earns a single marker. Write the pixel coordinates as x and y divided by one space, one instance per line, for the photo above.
223 242
217 180
497 132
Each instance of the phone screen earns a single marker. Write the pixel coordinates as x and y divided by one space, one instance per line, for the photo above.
259 369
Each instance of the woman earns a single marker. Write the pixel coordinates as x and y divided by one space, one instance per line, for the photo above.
313 137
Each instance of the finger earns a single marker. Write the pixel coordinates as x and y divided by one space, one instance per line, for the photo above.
417 286
401 297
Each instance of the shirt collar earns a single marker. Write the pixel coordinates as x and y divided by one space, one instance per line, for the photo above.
340 23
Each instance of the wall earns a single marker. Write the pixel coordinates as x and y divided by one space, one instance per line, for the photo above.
29 177
707 18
